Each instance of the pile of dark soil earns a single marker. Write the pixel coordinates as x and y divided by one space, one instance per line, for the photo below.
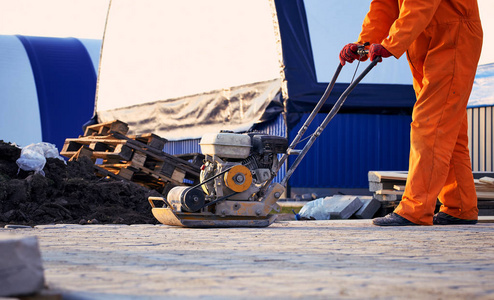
68 193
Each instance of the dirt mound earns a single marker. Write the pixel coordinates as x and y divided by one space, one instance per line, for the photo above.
68 193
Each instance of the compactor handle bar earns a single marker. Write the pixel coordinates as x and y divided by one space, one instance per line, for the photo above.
334 110
362 51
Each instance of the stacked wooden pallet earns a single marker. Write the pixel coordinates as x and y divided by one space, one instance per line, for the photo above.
139 158
484 186
388 186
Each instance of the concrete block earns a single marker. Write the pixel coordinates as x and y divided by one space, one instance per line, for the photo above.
376 186
369 207
386 197
343 207
21 269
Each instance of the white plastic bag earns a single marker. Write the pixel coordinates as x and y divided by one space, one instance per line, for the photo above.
315 210
33 157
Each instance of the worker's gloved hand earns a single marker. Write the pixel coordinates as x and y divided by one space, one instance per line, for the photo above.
349 54
377 50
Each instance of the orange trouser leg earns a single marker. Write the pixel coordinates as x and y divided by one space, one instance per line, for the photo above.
458 195
442 81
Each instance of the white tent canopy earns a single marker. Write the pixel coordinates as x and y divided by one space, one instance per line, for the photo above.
156 50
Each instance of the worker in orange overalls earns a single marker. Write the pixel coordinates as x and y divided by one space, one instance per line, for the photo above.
443 40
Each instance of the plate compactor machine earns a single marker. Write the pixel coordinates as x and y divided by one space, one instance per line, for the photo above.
236 186
231 193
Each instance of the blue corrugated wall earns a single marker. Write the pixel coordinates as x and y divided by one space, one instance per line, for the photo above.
349 147
481 137
182 147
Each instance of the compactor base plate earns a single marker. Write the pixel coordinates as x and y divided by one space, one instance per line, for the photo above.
168 216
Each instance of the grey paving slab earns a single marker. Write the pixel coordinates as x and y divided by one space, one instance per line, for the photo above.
369 207
338 259
343 206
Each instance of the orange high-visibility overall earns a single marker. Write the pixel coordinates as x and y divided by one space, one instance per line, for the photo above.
443 40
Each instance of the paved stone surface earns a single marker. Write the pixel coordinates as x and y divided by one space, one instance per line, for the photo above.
344 259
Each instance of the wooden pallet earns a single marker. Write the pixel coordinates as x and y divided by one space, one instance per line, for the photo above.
389 185
386 185
138 158
150 139
485 188
159 161
108 148
104 129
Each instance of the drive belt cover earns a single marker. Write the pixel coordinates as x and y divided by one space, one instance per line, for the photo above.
238 179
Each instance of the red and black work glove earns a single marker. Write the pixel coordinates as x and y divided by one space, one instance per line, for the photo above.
378 51
349 54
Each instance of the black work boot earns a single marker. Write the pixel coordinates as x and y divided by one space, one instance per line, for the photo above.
444 219
392 219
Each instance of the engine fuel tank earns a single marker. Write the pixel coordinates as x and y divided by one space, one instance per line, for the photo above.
226 145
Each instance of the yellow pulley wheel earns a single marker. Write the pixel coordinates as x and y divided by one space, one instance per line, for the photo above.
238 179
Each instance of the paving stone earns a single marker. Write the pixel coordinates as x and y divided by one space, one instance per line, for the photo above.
54 226
14 226
386 197
21 269
342 207
369 207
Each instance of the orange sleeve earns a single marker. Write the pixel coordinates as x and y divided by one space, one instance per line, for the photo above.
414 17
378 21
